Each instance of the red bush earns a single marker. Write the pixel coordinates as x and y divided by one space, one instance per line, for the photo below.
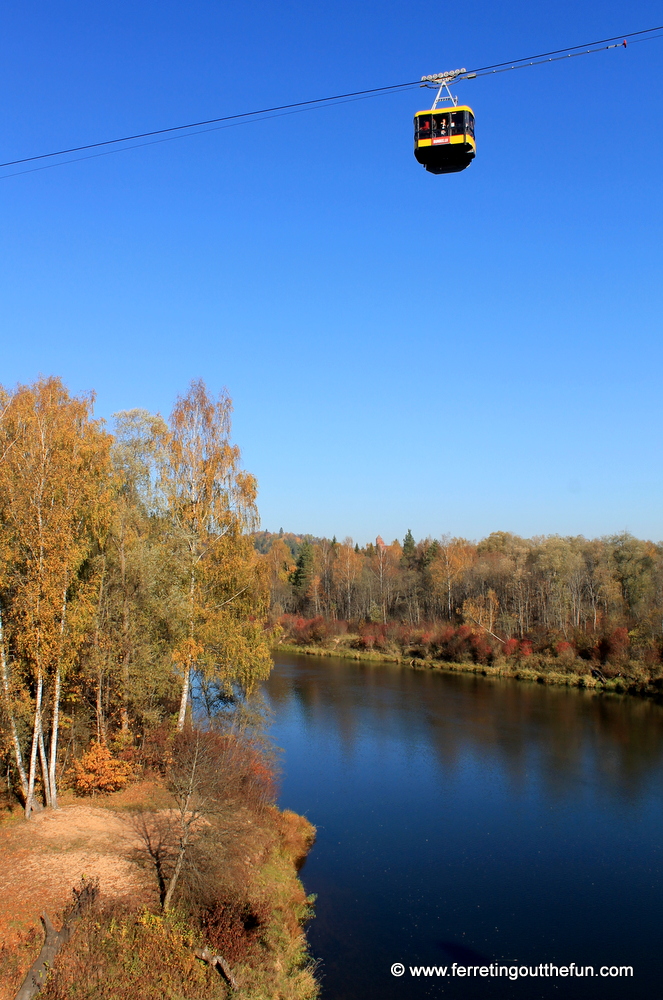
482 651
613 646
372 635
619 640
304 630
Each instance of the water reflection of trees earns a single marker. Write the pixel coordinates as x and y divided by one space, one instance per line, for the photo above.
567 737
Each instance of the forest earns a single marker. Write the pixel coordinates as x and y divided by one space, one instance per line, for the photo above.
592 606
126 570
134 636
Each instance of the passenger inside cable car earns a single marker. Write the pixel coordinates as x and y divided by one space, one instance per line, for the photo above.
444 140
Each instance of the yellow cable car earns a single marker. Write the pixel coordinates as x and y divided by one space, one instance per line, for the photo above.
444 139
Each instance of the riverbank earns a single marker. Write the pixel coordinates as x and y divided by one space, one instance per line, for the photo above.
533 669
127 946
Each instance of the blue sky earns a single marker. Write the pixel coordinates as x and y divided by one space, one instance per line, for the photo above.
457 354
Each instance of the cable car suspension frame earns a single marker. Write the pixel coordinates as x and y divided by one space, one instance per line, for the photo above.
444 79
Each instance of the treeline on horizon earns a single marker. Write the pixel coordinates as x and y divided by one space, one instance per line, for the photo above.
581 604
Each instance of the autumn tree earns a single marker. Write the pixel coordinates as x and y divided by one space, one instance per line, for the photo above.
213 775
135 570
346 569
126 571
452 558
280 566
210 504
482 611
55 494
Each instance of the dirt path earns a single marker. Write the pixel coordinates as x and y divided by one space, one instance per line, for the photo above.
42 860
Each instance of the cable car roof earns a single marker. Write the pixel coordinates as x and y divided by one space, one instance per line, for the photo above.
440 111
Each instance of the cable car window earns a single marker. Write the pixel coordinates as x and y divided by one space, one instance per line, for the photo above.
470 125
440 124
457 122
422 127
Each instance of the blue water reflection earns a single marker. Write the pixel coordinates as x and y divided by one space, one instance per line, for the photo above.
463 819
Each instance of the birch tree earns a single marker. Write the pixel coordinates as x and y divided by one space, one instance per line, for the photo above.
55 491
137 453
211 505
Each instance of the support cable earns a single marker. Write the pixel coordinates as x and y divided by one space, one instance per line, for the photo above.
245 117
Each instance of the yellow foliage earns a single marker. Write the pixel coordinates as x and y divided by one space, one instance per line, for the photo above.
482 611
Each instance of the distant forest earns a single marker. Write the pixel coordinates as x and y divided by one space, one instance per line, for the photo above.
598 599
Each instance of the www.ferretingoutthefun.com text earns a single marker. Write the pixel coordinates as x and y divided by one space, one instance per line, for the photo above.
546 970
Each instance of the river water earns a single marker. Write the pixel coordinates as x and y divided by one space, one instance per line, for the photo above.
463 819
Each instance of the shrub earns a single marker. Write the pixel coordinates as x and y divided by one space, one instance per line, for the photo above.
156 754
99 771
304 631
371 635
613 647
233 927
482 651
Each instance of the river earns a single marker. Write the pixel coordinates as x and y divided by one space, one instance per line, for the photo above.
468 820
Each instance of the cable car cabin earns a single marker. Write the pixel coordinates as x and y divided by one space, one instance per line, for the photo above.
444 139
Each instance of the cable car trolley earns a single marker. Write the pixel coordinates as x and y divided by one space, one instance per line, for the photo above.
444 140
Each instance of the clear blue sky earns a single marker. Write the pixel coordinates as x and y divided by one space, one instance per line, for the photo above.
458 354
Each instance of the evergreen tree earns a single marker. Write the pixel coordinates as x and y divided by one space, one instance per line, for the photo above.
300 578
409 549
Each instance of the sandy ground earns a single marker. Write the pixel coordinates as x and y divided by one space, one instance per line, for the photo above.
41 861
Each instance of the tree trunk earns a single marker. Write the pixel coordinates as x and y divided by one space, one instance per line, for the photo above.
55 723
181 719
36 732
99 708
174 878
54 739
124 708
219 962
187 819
54 941
186 682
6 689
126 647
44 766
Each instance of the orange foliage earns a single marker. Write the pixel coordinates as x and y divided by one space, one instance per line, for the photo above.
99 771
